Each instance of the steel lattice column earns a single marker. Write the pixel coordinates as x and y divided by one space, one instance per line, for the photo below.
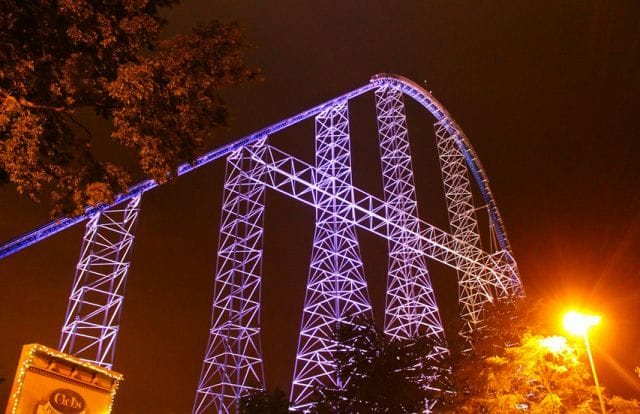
475 288
411 308
93 315
336 288
233 362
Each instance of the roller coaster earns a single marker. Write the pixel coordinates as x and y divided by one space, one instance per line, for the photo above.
336 290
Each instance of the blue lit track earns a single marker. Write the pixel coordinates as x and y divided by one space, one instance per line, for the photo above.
407 86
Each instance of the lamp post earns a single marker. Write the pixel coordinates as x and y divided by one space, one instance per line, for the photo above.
578 324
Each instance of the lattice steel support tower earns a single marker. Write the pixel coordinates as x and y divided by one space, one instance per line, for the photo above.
475 286
95 304
336 288
411 309
233 362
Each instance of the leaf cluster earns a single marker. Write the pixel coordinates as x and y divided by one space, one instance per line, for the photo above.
377 374
162 96
514 368
264 402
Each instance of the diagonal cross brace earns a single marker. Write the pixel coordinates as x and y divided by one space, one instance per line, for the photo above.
295 178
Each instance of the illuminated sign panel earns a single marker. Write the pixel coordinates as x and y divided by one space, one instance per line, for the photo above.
50 382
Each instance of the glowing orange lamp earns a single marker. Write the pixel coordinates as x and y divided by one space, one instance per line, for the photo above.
578 324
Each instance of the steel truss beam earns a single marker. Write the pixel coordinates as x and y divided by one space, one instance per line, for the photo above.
95 304
336 288
233 362
341 206
411 308
295 178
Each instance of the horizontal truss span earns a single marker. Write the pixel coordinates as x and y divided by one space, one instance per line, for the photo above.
295 178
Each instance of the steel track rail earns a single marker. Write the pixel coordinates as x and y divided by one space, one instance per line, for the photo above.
407 86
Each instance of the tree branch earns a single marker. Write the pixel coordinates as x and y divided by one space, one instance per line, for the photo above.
32 105
80 125
26 103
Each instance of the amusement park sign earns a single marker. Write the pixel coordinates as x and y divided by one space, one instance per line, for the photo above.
50 382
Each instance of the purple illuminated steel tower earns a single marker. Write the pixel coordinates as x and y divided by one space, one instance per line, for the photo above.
95 305
233 362
336 288
411 308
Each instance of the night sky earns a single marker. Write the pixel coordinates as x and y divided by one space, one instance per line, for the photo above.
548 93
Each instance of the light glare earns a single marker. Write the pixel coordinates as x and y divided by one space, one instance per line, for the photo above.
555 344
578 323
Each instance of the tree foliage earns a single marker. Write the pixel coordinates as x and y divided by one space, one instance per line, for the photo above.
264 402
515 369
380 375
162 96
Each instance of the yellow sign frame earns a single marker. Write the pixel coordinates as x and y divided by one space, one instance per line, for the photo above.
49 381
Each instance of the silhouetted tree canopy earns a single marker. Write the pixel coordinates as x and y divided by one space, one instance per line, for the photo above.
162 96
381 375
264 402
515 367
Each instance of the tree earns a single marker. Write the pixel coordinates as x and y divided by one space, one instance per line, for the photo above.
264 402
162 96
380 375
516 369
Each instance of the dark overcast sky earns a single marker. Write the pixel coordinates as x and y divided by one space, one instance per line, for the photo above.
548 93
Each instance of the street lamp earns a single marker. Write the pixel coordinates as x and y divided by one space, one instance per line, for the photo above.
578 324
